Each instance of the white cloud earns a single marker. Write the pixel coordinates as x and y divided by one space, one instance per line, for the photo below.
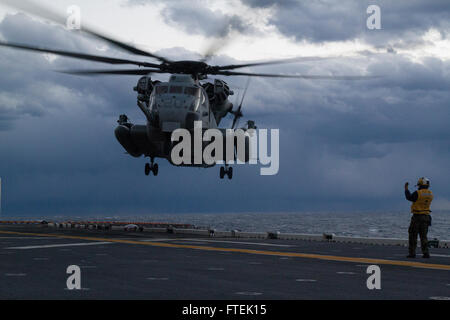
146 26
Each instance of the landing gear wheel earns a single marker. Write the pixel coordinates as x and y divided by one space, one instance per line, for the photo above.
147 169
151 167
155 169
230 173
222 172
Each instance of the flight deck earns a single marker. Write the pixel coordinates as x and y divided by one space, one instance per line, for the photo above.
119 264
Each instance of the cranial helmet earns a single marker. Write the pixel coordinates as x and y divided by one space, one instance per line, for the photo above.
423 182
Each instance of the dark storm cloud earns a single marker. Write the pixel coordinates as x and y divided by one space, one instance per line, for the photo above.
29 85
340 140
371 111
346 139
327 20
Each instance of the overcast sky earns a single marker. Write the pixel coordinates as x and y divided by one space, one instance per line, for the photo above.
344 145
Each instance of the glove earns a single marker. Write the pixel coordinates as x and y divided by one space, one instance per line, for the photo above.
406 185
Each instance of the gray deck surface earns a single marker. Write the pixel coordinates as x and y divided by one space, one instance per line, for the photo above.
140 266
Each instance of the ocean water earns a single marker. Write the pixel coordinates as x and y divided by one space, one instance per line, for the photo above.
360 224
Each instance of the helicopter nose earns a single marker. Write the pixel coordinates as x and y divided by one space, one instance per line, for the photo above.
171 119
177 116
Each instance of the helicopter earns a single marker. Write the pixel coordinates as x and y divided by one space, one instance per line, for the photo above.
186 98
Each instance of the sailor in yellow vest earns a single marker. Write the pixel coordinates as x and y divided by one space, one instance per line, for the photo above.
421 219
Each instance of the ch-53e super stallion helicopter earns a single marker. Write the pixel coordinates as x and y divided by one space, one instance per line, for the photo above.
170 105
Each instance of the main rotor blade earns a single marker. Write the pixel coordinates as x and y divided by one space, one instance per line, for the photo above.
77 55
265 63
247 84
238 113
141 72
270 75
41 11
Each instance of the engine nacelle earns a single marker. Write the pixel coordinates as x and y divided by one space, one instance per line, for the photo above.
123 134
218 94
144 88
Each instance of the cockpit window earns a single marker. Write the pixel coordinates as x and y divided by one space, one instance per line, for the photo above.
161 89
191 91
176 89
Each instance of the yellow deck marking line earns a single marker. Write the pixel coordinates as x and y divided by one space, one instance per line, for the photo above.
250 251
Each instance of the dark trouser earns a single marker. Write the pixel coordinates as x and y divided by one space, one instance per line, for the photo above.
419 226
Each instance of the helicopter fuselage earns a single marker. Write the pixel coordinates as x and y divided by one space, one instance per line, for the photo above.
168 106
